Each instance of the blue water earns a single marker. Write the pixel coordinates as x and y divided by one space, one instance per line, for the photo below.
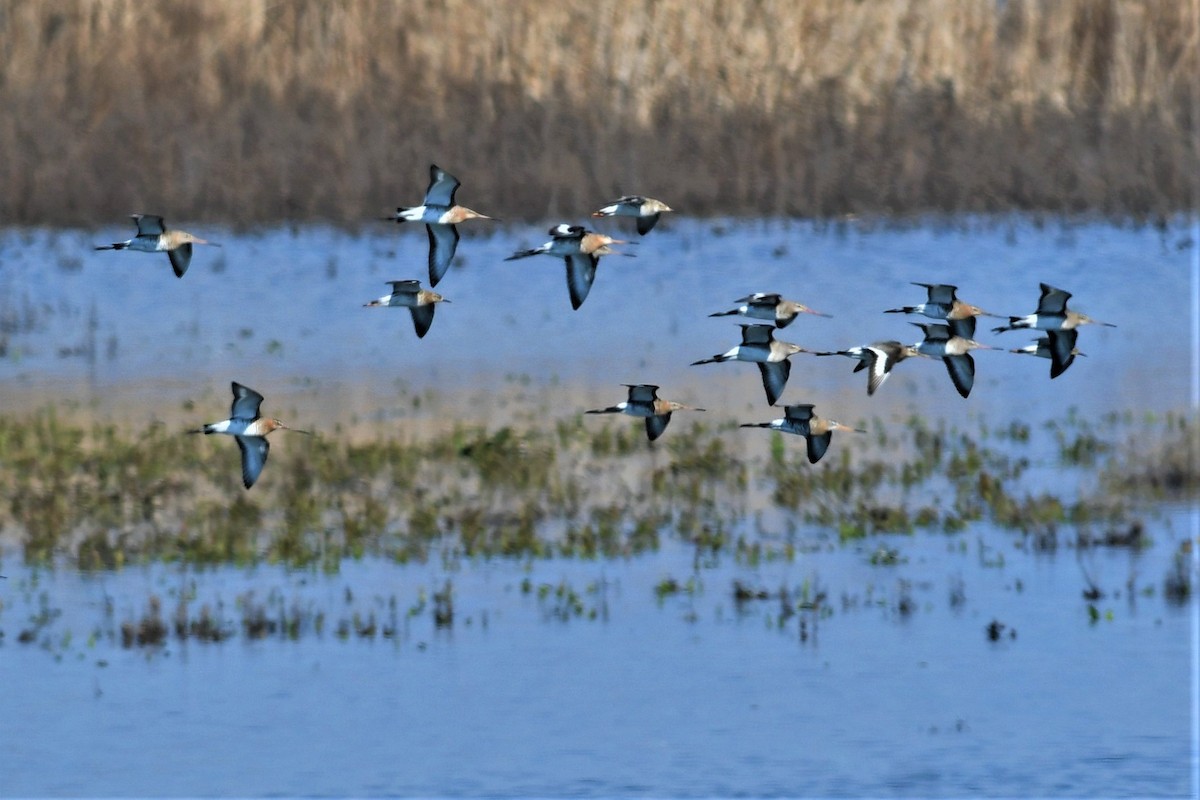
690 696
282 311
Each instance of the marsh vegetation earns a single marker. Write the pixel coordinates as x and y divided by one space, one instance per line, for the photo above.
251 112
100 498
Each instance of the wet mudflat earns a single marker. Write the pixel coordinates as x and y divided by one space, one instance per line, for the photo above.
466 587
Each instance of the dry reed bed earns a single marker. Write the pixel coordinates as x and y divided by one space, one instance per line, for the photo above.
260 111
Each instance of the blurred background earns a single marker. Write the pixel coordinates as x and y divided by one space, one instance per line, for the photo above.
253 112
465 586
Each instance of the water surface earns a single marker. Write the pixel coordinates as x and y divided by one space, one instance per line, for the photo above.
604 685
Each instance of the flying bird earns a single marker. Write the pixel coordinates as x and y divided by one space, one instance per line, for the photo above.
581 250
943 303
760 346
954 351
800 420
769 306
249 429
878 359
409 294
645 209
153 237
1058 346
440 215
643 401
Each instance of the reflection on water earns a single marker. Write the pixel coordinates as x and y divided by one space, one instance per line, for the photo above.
670 673
895 689
284 309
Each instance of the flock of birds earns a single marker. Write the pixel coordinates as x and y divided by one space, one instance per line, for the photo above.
950 339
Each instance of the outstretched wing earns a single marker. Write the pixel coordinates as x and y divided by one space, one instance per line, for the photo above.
1052 301
817 445
881 359
758 334
642 393
422 318
774 377
149 224
442 186
768 299
962 327
962 372
934 331
180 258
408 286
656 424
443 242
568 232
246 402
1061 345
941 294
581 271
646 224
799 414
254 457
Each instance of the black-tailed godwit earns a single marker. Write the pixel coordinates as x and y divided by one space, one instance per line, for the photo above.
800 420
763 305
440 215
954 351
153 237
249 429
1052 314
645 209
944 304
581 250
760 346
409 294
877 358
1058 346
644 401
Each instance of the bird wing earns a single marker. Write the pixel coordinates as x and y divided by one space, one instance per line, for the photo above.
254 457
642 393
962 372
564 231
1052 301
1061 343
760 298
422 318
581 271
817 445
646 224
246 402
408 286
656 424
180 257
442 186
443 241
934 331
149 224
882 359
964 327
758 334
774 377
940 293
799 414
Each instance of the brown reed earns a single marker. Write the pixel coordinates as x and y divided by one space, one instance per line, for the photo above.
250 111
